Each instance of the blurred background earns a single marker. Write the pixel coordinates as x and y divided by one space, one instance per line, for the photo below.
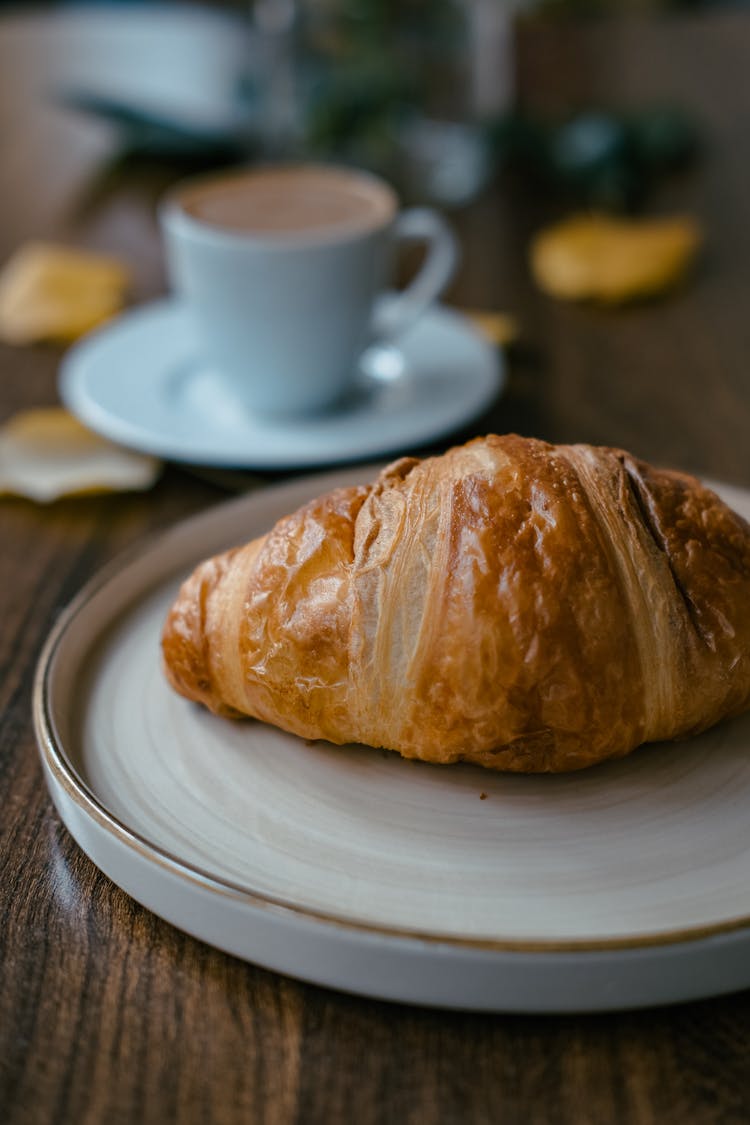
423 91
509 115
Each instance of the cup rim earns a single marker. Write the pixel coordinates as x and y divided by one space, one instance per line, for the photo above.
173 216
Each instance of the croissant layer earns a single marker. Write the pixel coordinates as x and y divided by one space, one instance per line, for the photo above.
515 604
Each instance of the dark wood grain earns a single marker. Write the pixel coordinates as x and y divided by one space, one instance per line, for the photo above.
108 1014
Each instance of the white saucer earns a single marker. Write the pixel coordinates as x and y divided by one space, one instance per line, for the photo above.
136 382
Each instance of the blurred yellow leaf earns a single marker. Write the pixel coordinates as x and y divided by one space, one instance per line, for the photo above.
497 327
47 453
595 257
56 293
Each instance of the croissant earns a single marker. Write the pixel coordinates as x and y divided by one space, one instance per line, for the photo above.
515 604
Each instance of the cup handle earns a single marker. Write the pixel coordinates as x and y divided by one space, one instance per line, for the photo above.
419 224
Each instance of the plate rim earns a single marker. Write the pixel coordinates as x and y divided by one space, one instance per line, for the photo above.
56 760
124 431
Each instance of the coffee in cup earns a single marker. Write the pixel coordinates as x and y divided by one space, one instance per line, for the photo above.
295 201
281 268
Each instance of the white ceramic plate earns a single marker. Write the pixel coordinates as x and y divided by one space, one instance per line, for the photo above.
136 382
621 886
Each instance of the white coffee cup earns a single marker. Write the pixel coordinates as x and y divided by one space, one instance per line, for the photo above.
281 268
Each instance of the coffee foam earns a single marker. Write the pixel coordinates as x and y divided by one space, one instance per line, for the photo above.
290 200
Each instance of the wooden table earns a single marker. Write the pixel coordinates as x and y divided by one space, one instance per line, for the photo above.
108 1014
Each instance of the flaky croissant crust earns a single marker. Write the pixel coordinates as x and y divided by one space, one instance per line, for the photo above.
515 604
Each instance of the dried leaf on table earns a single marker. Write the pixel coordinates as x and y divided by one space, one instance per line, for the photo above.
499 328
599 258
55 293
47 453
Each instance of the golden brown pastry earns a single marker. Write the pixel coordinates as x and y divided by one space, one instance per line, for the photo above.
512 603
